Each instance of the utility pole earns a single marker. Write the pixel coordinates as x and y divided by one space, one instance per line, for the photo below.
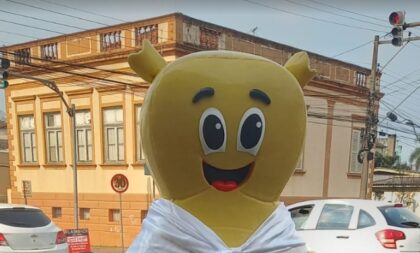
71 111
370 122
397 19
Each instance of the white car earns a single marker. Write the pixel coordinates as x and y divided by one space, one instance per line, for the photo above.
26 229
356 226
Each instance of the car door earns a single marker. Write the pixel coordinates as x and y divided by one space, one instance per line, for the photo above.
363 229
327 229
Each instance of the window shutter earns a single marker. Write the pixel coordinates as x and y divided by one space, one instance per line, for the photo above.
355 166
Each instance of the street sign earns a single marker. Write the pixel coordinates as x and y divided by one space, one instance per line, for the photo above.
119 183
78 240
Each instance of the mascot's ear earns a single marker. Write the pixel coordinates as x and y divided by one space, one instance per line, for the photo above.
147 63
298 65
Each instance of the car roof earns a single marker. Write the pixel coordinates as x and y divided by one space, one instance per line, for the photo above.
356 202
8 206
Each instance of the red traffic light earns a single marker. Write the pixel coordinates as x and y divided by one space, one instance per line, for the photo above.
397 18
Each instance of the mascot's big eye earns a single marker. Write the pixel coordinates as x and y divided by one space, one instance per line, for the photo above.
212 131
251 131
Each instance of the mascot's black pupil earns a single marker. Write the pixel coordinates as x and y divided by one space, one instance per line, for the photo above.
213 132
251 131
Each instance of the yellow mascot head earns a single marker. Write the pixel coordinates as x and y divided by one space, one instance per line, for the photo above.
222 132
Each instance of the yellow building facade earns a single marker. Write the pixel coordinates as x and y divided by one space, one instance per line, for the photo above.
91 70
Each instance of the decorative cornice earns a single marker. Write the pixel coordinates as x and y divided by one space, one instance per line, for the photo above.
24 98
79 92
48 96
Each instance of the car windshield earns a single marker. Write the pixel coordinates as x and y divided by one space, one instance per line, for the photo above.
400 217
23 217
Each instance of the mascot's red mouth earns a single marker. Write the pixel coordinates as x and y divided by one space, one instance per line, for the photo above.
226 180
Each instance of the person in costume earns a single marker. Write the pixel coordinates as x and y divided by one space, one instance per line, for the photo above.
222 132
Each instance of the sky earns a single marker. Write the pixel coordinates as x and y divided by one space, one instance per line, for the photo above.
341 29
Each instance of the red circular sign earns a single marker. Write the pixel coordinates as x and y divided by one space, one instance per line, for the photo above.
119 183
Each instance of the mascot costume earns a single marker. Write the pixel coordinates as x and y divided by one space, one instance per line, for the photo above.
222 132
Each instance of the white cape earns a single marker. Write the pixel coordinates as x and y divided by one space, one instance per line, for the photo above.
170 229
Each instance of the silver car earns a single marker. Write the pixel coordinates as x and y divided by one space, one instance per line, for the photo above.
356 226
26 229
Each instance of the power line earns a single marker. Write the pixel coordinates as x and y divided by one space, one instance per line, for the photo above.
400 79
399 90
402 101
83 29
84 75
352 49
411 145
85 11
352 12
16 2
30 26
414 44
7 42
55 61
19 34
61 33
336 14
393 57
41 28
399 111
74 65
50 74
398 130
351 127
43 20
309 17
56 12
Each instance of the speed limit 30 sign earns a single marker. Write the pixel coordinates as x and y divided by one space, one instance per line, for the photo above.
119 183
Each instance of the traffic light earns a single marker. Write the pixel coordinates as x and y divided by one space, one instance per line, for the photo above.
4 64
397 34
397 19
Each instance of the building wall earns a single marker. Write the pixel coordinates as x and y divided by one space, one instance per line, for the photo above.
4 175
52 184
326 154
313 162
4 164
343 182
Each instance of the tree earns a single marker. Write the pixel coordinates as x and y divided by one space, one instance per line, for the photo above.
415 157
384 161
401 166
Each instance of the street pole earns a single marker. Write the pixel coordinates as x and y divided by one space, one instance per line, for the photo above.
71 111
121 223
72 115
369 122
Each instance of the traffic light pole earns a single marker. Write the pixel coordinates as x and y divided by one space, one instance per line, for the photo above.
369 134
71 111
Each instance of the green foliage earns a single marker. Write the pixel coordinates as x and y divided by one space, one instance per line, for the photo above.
385 161
401 166
415 157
